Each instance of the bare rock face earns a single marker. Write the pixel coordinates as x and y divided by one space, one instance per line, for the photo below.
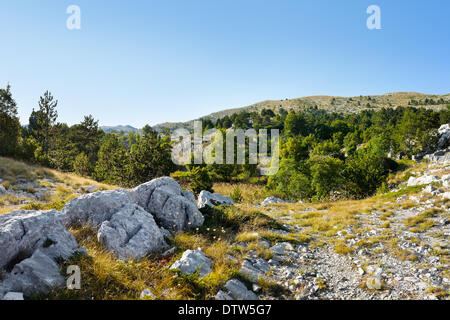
206 198
131 233
37 274
31 242
193 260
23 232
164 198
95 208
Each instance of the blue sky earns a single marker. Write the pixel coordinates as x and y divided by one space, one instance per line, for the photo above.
146 62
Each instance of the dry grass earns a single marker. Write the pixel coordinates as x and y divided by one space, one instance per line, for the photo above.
11 170
251 193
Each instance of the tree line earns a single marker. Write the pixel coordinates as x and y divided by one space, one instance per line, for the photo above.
323 155
82 148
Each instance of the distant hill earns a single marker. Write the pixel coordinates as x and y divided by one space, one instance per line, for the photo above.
125 129
331 104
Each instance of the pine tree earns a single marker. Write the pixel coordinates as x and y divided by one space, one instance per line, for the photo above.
46 118
9 123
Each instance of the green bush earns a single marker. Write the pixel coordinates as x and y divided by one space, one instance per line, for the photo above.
81 165
200 180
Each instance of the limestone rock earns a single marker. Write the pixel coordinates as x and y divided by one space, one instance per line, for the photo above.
425 179
13 296
164 198
193 260
131 233
206 198
221 295
282 248
239 291
254 269
95 208
444 132
37 274
146 294
23 232
273 200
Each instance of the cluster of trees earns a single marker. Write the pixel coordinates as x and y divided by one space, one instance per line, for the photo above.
427 102
328 155
83 148
323 155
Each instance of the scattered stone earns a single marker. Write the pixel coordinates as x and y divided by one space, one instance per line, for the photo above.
239 291
230 257
169 252
273 200
193 260
147 294
425 179
256 288
282 248
374 283
90 189
221 295
254 269
209 199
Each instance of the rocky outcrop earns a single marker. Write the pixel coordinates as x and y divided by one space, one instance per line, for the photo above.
206 198
31 243
95 208
172 209
444 132
131 233
23 232
193 260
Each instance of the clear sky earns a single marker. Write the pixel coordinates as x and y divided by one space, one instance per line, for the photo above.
145 62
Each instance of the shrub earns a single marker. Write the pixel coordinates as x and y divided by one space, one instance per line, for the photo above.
236 195
200 180
81 164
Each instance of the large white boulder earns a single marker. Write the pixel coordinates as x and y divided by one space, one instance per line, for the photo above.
131 233
206 198
95 208
193 260
23 232
172 209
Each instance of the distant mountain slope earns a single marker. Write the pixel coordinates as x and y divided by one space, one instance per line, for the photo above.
125 129
329 103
